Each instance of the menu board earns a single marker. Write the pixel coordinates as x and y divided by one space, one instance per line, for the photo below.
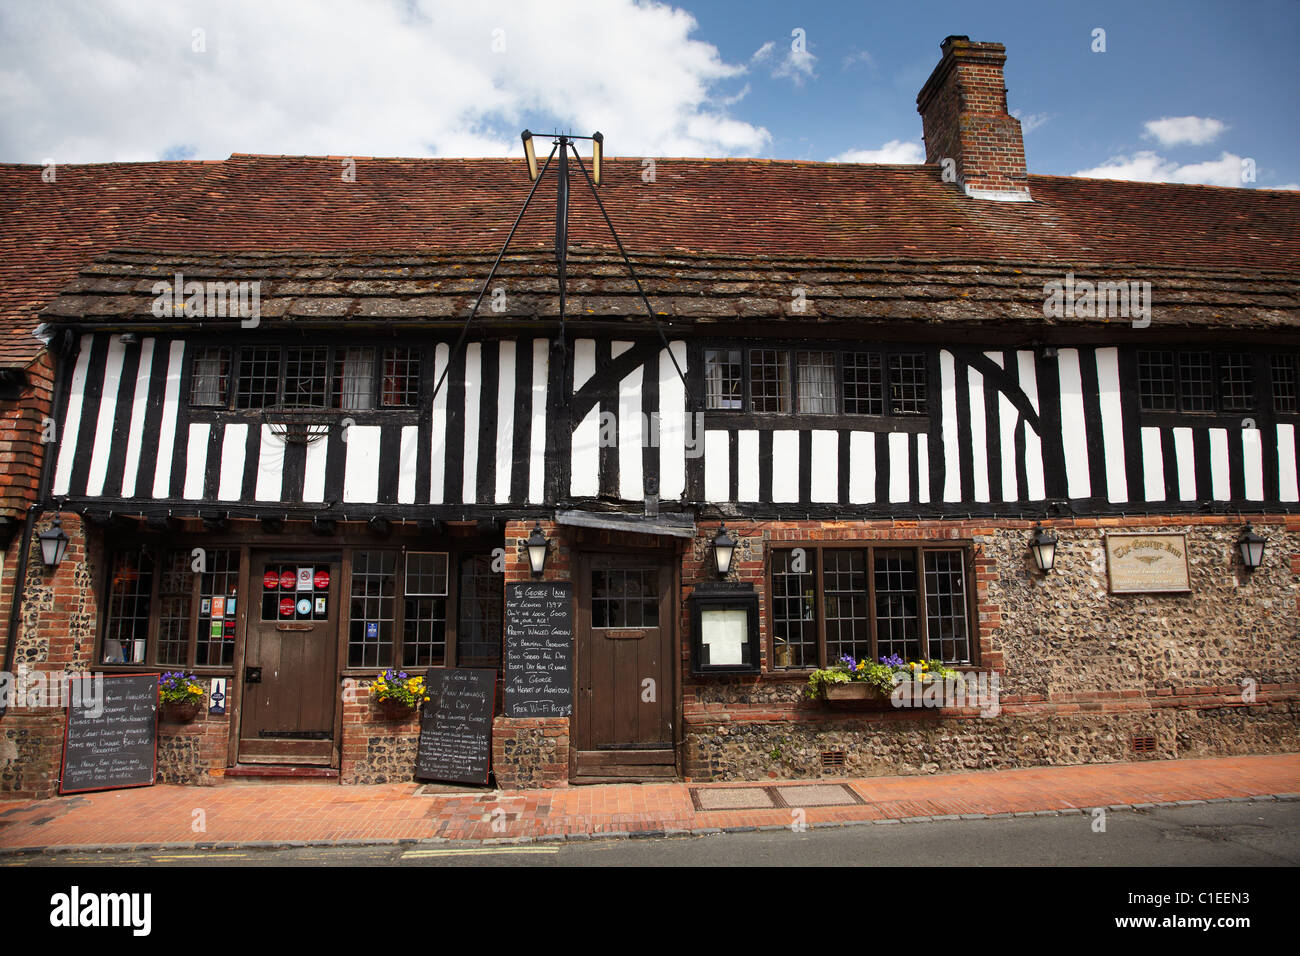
456 725
116 747
539 650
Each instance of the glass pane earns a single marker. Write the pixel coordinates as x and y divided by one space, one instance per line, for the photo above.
354 379
945 600
372 609
481 598
126 629
897 629
864 392
793 606
769 380
816 379
844 588
722 376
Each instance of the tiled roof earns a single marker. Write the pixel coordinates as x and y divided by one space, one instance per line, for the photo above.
730 206
319 290
49 230
894 225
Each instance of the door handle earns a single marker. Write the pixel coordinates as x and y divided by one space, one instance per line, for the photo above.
252 675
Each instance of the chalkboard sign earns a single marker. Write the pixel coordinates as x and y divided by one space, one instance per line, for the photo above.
456 725
118 746
539 650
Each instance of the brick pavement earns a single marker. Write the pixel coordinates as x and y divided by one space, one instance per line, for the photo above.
241 814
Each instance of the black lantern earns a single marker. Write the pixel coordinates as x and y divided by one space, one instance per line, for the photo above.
537 547
1251 547
724 546
53 543
1043 547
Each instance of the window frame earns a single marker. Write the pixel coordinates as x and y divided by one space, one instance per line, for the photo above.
1260 393
159 550
871 545
451 628
794 417
334 354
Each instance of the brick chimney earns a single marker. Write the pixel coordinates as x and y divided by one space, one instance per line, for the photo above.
963 108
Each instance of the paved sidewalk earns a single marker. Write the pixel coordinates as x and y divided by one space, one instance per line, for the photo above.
301 814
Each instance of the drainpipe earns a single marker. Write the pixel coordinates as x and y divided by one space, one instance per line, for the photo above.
57 409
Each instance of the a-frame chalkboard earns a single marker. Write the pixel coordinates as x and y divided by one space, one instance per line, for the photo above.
118 746
456 725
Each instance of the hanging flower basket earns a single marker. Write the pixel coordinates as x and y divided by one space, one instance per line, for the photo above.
397 694
181 696
395 709
180 711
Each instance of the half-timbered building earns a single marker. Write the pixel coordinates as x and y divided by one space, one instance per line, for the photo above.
860 370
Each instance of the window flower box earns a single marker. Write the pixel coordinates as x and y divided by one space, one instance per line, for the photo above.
872 684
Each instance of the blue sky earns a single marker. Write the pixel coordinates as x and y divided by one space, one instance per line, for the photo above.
1185 91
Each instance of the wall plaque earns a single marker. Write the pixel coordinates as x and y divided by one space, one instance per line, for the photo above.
1147 563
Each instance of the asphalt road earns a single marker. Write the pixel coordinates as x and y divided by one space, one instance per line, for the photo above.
1217 835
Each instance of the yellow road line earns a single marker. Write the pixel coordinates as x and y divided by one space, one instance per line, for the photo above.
480 851
201 856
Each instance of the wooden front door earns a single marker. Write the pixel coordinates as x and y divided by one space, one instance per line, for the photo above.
624 700
290 678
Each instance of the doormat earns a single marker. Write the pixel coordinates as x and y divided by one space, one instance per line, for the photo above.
789 796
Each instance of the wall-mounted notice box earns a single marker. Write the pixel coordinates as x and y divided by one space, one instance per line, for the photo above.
724 629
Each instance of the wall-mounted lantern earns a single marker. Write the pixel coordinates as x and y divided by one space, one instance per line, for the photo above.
538 546
1043 547
724 547
1251 546
54 542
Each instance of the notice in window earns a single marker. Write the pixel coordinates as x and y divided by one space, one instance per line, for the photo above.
724 632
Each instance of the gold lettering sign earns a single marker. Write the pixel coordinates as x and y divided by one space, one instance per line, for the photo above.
1147 563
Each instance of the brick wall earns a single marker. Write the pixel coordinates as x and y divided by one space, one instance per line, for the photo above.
1082 671
56 633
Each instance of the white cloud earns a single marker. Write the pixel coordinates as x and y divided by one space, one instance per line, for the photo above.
796 65
895 151
856 57
1294 187
1180 130
1150 167
1030 121
117 80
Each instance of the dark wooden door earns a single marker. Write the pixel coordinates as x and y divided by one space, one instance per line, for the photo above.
290 678
623 701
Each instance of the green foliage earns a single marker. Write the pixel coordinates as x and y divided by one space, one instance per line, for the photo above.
883 676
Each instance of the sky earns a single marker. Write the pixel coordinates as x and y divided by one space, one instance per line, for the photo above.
1161 90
